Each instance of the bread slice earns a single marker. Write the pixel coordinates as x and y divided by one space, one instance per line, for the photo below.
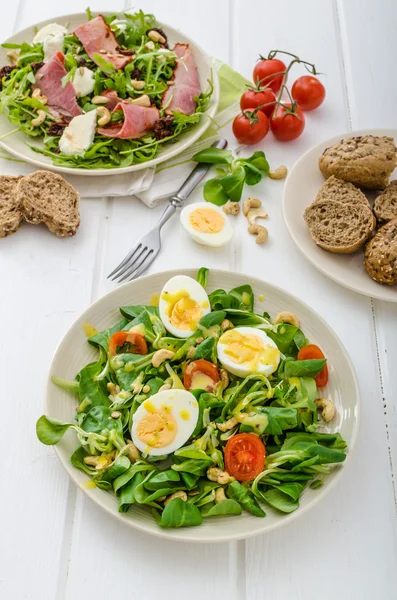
385 205
380 258
339 228
337 190
10 209
367 161
46 197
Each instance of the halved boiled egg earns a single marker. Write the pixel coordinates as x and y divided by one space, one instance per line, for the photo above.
247 350
207 224
164 422
183 301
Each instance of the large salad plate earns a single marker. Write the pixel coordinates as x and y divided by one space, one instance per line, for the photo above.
16 143
74 352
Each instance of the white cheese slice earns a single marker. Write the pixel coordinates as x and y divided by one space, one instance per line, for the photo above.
83 81
52 44
79 134
50 29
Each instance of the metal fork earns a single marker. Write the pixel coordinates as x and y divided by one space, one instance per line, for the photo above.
147 247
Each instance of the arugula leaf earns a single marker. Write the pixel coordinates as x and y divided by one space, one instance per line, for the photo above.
105 66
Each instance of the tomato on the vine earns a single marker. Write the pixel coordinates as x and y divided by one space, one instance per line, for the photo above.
250 126
264 98
245 456
267 67
287 125
308 92
313 351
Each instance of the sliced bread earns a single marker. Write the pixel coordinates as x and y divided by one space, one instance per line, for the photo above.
385 205
367 161
337 190
338 228
10 209
46 197
381 254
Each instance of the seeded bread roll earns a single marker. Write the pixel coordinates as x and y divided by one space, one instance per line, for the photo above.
339 228
337 190
385 206
46 197
380 258
367 161
10 210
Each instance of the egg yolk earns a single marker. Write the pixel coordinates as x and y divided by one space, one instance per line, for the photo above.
183 312
206 220
157 429
249 349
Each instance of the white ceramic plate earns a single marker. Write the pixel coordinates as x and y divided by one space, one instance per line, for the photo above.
16 143
301 187
74 352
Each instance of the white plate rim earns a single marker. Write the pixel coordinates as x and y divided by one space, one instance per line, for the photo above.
182 536
169 153
297 165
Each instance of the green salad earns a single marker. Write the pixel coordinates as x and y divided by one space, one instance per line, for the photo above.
199 407
59 76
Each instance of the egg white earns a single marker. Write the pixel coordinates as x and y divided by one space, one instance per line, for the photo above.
179 400
207 239
245 369
196 293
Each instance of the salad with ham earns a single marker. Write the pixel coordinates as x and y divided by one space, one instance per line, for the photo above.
108 94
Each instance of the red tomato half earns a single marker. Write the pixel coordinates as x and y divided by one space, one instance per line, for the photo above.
308 92
245 456
265 98
313 351
201 374
136 343
266 67
249 129
286 126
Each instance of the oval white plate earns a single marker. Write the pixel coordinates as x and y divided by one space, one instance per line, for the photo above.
74 352
16 143
301 187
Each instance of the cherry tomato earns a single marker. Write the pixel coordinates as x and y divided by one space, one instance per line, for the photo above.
200 372
252 98
308 92
286 126
313 351
245 456
134 343
249 128
266 67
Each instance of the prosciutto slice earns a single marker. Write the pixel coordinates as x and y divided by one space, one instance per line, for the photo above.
49 81
112 97
179 96
138 120
97 38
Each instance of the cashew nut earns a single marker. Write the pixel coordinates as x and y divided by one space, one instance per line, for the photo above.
99 100
279 173
166 386
100 462
160 356
258 213
224 378
137 85
103 114
231 208
149 45
133 452
260 232
143 100
222 477
327 408
226 324
156 36
37 94
13 57
179 494
115 414
287 317
250 203
41 117
219 495
199 340
227 425
191 352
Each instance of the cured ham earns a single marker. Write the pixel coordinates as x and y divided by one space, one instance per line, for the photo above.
180 95
49 81
138 120
112 97
97 38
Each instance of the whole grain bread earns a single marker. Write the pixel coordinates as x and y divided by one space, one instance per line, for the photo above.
339 228
385 205
10 209
46 197
380 258
337 190
367 161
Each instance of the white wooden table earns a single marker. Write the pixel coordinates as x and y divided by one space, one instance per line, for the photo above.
54 543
